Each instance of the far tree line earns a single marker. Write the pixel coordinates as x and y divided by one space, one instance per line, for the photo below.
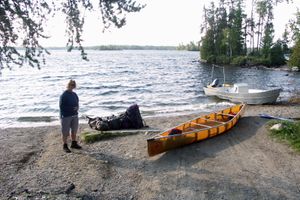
229 35
232 37
191 46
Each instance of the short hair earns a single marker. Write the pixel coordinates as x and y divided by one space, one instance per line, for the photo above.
71 84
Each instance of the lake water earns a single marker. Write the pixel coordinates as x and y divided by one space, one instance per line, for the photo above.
160 82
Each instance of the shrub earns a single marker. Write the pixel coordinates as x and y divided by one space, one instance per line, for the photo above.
252 60
239 60
211 59
277 55
223 60
265 61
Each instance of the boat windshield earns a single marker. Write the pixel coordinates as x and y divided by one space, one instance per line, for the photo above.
215 75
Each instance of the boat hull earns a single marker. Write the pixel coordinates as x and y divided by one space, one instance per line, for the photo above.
259 97
195 130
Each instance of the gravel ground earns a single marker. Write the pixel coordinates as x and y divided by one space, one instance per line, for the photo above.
244 163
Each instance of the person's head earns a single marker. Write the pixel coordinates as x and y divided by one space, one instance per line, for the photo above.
71 85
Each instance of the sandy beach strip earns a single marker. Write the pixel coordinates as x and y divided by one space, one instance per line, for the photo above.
244 163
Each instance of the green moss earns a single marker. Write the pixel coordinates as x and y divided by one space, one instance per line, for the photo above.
289 133
93 136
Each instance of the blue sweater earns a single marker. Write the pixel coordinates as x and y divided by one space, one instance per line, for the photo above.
68 104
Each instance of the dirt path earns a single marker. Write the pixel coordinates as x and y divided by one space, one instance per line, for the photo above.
244 163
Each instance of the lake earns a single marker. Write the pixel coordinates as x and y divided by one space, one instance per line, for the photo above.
160 82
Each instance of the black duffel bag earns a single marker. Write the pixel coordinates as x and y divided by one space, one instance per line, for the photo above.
131 119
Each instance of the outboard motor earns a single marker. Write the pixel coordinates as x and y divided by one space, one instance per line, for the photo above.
215 83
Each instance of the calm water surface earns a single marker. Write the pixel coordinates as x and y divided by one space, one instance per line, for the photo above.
160 82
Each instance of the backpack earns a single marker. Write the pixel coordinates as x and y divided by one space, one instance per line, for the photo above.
130 119
134 115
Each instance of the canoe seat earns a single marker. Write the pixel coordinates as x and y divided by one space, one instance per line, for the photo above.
211 120
206 126
230 115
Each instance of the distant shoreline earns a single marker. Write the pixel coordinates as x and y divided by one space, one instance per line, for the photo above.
116 47
284 67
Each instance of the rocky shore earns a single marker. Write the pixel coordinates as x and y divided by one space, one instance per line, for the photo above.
244 163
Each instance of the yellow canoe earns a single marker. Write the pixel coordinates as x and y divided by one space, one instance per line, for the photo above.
200 128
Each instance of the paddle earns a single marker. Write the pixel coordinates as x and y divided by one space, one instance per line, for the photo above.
275 117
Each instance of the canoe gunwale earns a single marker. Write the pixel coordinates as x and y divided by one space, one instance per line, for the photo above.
185 133
158 136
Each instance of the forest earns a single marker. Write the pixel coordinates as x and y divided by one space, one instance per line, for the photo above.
230 36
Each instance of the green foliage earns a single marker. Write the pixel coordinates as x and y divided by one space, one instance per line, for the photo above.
226 29
290 133
277 54
295 56
236 33
225 60
285 41
21 21
192 46
295 26
90 137
223 36
211 59
258 60
267 41
207 47
239 60
22 24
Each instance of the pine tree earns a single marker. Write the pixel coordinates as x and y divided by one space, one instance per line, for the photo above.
237 30
295 30
221 21
295 57
267 40
277 54
208 48
285 41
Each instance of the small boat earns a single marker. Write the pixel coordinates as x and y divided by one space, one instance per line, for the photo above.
197 129
240 92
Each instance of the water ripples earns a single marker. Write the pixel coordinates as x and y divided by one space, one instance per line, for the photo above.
161 82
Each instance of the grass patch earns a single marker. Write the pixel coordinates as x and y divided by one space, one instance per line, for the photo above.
289 133
93 136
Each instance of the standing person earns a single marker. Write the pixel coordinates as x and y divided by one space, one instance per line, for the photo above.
69 105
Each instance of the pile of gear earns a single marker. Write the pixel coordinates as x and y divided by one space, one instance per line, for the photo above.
131 119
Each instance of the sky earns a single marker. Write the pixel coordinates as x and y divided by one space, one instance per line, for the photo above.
161 22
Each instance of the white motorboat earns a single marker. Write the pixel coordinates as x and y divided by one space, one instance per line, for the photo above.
240 92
